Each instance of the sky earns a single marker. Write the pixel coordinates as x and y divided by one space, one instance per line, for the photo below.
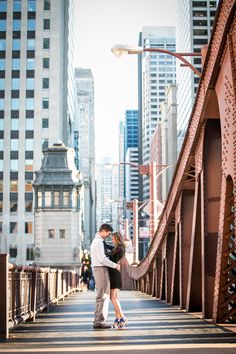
100 25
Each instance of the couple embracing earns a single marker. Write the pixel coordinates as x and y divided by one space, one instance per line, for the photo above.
106 272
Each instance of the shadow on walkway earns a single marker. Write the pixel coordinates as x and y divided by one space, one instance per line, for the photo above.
154 327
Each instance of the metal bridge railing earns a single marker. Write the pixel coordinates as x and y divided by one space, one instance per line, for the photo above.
27 290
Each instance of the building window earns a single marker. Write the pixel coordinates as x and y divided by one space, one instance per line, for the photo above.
199 13
15 104
15 84
13 251
29 253
2 64
50 233
29 144
1 204
16 44
13 202
17 5
28 227
13 227
56 198
28 165
2 25
31 5
46 24
2 104
0 227
29 124
16 64
2 44
3 6
16 25
28 206
45 83
45 123
200 41
30 64
48 199
29 103
14 186
65 198
46 43
30 84
44 144
46 63
28 202
14 144
30 44
45 103
14 165
200 22
62 233
31 25
28 186
39 198
46 5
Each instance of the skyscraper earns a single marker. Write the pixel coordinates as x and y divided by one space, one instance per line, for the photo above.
131 155
104 192
84 129
158 71
195 21
36 106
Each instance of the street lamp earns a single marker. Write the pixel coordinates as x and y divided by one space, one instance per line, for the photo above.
120 49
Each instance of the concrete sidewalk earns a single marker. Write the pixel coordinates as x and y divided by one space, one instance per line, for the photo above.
154 327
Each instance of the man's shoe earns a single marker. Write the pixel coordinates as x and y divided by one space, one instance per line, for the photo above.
101 326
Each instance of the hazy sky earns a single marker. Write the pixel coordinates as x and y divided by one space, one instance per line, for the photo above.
101 25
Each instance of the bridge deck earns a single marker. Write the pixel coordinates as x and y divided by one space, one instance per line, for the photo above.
154 327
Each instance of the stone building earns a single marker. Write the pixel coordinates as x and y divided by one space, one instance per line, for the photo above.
58 212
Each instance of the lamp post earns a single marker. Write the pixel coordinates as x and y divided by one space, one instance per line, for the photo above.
120 49
151 171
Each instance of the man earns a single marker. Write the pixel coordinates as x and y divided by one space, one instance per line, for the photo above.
100 264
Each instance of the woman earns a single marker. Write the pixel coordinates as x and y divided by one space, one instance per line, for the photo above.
115 253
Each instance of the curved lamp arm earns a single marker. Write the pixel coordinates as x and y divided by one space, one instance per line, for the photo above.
120 49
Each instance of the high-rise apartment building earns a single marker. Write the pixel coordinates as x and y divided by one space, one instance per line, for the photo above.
158 71
108 206
104 192
121 166
195 21
131 155
36 106
85 148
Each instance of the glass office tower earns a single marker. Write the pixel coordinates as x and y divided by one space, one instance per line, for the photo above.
36 107
195 22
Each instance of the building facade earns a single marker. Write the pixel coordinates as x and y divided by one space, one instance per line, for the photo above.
168 128
36 107
158 71
104 192
194 27
85 148
58 217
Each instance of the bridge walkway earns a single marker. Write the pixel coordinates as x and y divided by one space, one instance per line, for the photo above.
154 327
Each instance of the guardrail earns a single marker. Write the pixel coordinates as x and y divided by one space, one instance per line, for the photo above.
27 290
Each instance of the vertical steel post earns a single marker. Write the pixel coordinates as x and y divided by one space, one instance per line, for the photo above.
126 228
4 330
135 230
153 200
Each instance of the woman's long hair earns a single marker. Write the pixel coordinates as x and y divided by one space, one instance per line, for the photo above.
118 239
